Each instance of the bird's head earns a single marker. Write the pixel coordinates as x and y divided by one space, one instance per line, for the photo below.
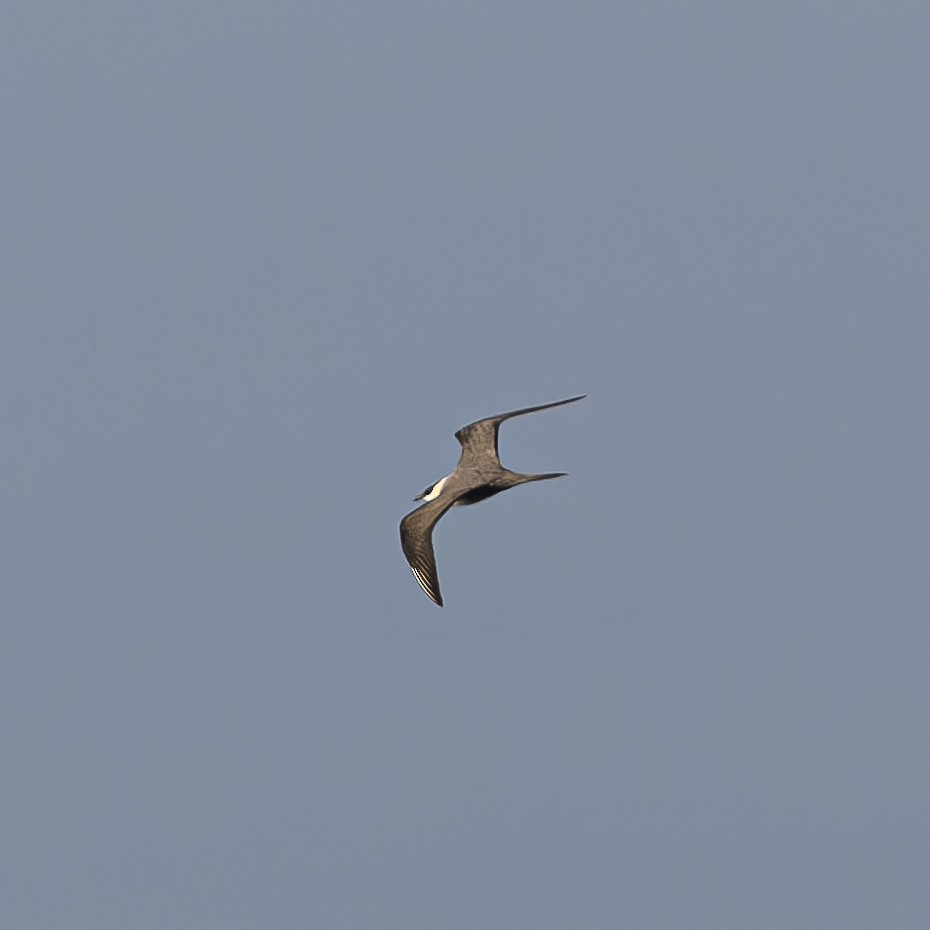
433 491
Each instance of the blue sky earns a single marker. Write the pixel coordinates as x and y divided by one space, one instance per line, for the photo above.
261 262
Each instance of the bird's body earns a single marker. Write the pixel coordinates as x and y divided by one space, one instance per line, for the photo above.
477 476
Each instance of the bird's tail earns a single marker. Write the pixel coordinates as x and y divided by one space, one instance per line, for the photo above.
551 474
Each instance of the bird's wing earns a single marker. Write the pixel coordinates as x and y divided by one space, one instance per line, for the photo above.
416 539
479 439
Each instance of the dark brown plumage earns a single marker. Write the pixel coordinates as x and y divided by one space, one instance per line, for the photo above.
477 476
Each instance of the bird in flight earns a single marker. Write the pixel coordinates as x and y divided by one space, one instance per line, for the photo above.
477 476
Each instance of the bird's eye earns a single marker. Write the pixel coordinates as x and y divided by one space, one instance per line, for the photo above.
429 490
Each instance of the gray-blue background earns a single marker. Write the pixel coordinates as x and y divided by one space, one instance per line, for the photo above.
260 261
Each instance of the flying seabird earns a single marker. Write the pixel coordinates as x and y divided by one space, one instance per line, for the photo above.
477 476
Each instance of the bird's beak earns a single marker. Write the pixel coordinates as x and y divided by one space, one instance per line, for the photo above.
419 497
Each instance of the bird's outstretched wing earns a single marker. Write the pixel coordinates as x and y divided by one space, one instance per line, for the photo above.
416 539
479 439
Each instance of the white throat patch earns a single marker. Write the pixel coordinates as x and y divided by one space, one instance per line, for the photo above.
437 489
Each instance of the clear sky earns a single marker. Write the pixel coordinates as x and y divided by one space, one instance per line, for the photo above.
260 261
